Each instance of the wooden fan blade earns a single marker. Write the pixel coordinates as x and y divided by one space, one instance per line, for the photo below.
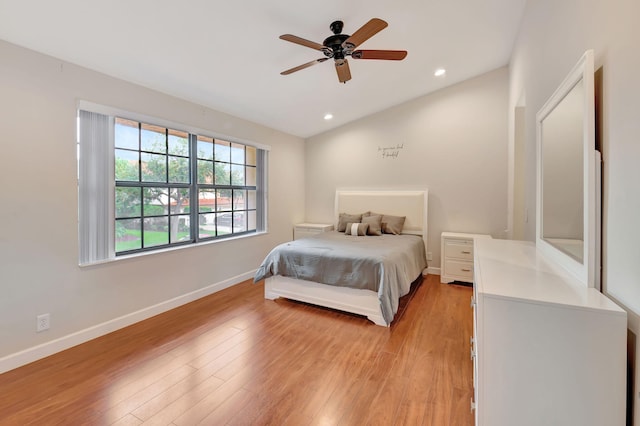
303 66
365 32
342 68
389 55
301 41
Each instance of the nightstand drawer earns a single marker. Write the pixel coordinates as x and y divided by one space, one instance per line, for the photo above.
459 269
458 249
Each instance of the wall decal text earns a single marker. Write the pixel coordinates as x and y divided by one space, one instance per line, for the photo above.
391 151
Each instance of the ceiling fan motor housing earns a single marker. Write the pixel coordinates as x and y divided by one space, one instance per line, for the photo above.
334 43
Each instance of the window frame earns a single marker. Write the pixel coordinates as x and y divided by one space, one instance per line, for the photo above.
193 187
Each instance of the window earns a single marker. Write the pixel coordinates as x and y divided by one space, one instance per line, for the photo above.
164 186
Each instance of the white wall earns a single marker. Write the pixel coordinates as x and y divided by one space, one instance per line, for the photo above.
553 36
39 270
453 142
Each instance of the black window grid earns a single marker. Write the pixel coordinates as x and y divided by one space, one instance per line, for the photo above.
194 187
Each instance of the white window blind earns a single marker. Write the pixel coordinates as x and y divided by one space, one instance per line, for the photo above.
95 187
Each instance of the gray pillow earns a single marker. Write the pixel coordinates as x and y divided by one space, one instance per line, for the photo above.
375 224
392 224
345 218
359 229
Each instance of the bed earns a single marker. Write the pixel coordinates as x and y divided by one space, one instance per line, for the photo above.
383 269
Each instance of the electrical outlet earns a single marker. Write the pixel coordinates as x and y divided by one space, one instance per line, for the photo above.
43 322
429 256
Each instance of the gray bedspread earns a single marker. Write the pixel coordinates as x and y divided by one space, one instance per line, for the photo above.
386 264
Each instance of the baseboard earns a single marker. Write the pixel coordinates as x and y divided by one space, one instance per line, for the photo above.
43 350
433 270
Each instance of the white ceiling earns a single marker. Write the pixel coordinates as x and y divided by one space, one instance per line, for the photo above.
227 55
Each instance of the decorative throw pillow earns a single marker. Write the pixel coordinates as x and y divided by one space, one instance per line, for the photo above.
375 224
365 214
392 224
359 229
345 218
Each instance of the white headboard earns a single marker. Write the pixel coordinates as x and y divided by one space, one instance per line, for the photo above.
409 203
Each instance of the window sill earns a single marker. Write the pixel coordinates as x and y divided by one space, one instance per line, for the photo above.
170 249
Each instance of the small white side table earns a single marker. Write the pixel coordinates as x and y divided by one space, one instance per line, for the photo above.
456 256
302 230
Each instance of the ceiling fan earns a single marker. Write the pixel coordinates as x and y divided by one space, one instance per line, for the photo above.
339 46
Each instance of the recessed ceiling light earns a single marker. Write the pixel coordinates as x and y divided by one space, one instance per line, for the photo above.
440 72
328 116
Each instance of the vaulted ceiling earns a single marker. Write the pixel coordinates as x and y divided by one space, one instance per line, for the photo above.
228 55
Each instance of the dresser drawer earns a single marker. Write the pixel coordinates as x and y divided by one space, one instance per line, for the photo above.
458 249
459 269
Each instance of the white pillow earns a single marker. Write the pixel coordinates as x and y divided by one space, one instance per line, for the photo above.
358 229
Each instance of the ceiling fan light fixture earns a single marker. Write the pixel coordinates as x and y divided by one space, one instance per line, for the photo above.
440 72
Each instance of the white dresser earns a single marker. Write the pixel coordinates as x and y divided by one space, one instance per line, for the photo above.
546 349
303 230
456 254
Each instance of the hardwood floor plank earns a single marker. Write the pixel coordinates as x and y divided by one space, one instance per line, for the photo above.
205 406
410 413
218 349
170 395
131 403
437 414
306 369
253 413
386 403
460 410
362 400
335 384
184 403
348 384
128 420
229 409
235 358
122 391
414 403
203 343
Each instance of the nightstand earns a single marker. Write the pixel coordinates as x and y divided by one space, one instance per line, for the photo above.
456 254
303 230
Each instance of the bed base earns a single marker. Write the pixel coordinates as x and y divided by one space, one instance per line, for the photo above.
361 302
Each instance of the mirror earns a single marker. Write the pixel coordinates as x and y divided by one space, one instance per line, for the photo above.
567 219
562 174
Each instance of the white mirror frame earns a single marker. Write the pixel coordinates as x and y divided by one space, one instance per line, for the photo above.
587 272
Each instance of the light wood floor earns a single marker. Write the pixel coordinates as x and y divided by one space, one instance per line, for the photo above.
235 358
